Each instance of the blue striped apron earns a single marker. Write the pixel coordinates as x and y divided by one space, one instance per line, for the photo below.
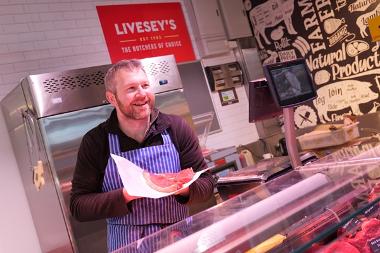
147 215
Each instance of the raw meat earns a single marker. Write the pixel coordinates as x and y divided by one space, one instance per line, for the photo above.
168 182
341 247
184 176
370 230
359 241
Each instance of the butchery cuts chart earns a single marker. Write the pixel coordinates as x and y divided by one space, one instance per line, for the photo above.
333 37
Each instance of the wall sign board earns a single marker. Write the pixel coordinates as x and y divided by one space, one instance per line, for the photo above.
334 39
145 30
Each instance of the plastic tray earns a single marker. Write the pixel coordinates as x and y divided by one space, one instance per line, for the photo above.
322 136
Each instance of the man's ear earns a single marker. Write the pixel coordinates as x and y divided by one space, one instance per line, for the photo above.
111 98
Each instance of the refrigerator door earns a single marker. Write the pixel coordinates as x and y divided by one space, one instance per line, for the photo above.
28 147
62 135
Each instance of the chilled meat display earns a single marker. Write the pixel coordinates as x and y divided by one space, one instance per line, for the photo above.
370 229
341 247
168 182
358 243
357 235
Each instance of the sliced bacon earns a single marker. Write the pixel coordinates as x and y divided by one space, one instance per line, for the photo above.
168 182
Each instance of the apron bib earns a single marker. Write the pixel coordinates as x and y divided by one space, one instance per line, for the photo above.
147 215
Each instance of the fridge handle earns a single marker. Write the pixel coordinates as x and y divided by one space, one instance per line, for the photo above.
34 149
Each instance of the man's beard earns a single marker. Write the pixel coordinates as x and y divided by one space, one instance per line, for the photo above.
132 112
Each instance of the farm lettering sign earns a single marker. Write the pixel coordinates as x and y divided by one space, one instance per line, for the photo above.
333 37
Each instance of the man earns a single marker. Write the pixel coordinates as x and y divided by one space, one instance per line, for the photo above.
155 141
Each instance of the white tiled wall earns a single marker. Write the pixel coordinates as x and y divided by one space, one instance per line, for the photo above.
39 36
233 118
234 122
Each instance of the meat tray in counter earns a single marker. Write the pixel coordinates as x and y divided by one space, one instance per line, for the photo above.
357 232
365 240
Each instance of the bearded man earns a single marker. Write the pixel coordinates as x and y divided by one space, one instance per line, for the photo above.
157 142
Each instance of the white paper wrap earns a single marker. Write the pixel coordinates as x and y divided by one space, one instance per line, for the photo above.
134 182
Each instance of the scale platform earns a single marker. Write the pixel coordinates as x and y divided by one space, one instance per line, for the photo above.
236 182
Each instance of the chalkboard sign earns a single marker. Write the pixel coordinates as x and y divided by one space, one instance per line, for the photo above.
334 39
196 91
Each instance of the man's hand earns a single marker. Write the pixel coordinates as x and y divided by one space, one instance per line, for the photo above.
128 197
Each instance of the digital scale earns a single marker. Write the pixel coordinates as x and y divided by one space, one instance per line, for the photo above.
287 84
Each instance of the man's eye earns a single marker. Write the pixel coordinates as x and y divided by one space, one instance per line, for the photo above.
146 86
131 89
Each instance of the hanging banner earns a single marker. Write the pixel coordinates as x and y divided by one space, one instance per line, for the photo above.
145 30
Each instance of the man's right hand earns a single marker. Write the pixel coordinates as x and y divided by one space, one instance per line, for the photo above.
128 197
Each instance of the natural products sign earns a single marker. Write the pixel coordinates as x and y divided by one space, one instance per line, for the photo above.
145 30
334 38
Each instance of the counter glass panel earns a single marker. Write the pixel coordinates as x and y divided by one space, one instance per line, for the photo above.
285 213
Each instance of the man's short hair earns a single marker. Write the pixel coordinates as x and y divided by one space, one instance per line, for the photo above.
133 65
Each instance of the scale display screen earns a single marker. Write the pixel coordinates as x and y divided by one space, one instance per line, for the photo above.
290 82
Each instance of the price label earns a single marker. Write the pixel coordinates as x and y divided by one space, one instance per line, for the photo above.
374 245
372 210
352 224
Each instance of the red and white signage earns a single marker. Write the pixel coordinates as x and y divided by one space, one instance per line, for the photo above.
145 30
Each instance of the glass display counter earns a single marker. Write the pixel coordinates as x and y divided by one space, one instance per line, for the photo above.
349 153
291 213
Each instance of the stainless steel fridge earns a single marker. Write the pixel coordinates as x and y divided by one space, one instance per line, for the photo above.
46 116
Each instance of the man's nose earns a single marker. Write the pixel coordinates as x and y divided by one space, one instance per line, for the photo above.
141 91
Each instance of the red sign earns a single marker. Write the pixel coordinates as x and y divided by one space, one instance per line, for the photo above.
145 30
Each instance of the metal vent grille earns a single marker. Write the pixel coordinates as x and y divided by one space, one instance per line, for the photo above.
154 69
54 85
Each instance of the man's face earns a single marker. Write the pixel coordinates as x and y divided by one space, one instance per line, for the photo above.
133 97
